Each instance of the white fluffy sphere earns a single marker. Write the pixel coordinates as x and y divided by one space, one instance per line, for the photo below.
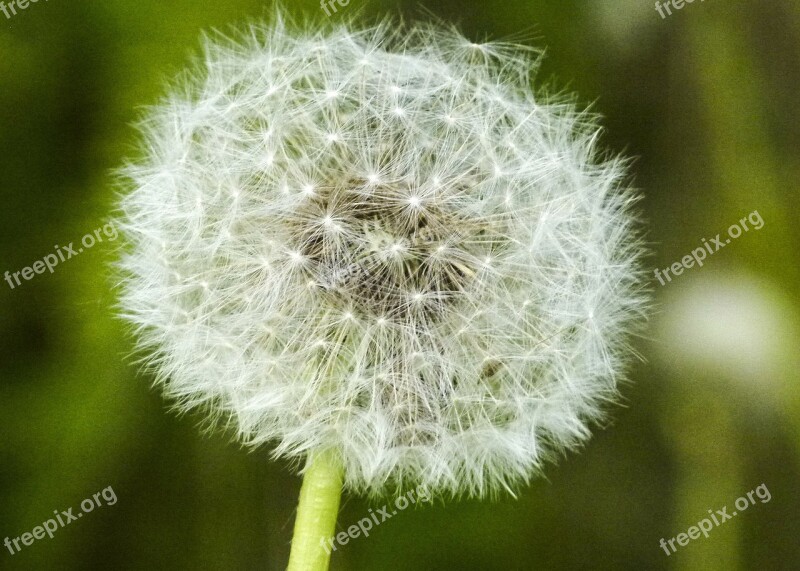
381 242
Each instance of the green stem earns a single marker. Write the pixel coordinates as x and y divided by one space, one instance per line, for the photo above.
316 513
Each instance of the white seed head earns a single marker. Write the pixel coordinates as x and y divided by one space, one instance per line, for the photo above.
382 242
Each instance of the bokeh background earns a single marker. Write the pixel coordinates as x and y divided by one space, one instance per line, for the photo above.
706 100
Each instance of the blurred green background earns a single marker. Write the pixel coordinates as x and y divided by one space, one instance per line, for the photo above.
706 100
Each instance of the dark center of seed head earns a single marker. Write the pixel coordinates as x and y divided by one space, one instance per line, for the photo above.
382 259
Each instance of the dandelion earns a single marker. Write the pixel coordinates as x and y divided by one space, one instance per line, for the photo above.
379 252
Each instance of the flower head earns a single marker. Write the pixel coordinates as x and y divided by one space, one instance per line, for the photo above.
382 243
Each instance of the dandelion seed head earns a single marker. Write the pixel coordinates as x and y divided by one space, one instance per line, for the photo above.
382 242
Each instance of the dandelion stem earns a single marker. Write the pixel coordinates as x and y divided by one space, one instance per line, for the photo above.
317 511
